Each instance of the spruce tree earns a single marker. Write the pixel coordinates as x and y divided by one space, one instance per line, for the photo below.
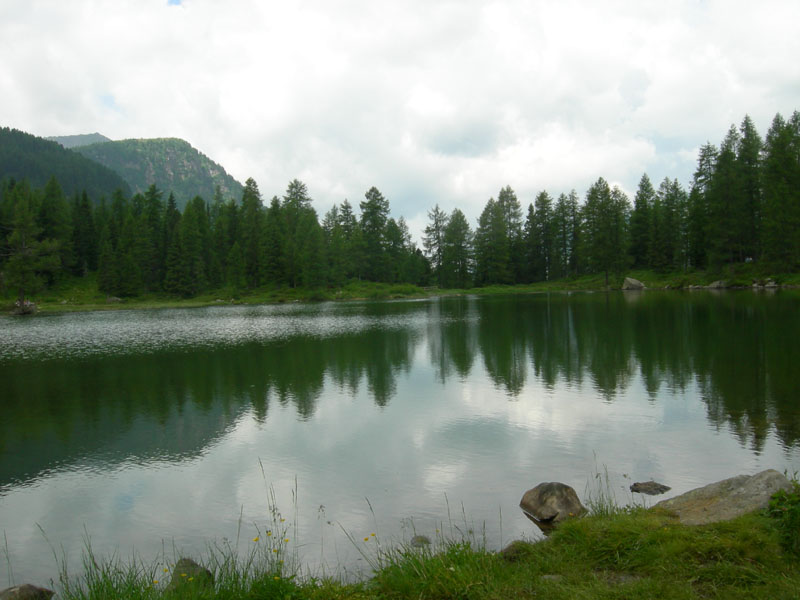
641 218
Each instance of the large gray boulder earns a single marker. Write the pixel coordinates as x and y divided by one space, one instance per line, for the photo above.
632 284
551 502
726 499
26 592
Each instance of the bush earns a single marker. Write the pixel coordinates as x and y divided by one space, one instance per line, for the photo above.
784 507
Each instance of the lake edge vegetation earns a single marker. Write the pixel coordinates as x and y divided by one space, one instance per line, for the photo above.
615 552
740 220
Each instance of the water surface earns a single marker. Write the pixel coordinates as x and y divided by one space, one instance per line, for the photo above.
146 430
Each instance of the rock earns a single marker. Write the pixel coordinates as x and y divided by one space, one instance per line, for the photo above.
770 283
726 499
188 573
516 551
419 541
552 577
112 300
632 284
717 285
551 503
26 592
650 488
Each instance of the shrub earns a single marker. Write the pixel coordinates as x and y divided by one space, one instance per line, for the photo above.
784 507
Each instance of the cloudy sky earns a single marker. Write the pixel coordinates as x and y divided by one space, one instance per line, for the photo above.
431 102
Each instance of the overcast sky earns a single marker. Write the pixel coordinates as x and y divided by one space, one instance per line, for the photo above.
431 102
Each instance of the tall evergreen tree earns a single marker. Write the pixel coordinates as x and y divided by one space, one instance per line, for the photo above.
511 211
724 202
250 232
492 247
780 177
641 219
748 167
457 257
433 240
84 236
30 261
55 223
374 215
605 228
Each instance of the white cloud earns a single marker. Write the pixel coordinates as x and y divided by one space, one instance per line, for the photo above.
431 102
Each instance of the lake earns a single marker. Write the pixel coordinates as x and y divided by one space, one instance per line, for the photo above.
157 433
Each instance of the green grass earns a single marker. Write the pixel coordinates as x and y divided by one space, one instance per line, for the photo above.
81 294
632 553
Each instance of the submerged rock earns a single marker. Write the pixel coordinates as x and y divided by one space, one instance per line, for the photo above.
726 499
188 573
550 503
26 592
632 284
650 488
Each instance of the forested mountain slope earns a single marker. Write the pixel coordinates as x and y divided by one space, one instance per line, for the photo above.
171 164
26 156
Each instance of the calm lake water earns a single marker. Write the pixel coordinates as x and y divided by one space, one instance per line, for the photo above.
161 432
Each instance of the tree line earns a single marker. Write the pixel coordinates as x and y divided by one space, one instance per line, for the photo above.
743 205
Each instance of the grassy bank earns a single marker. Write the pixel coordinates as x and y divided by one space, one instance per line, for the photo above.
81 294
633 553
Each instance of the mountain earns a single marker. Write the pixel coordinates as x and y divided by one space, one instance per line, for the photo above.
171 164
26 156
84 139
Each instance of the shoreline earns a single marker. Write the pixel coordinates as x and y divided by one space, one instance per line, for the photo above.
82 296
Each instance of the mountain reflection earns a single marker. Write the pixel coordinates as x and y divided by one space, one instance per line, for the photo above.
739 349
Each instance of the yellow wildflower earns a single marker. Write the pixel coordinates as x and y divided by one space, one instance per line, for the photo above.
286 540
183 574
155 581
366 539
255 539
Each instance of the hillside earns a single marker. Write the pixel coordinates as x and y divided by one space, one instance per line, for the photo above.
84 139
26 156
169 163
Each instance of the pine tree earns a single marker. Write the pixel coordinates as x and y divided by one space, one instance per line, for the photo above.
84 236
492 248
433 240
641 219
780 176
543 225
724 204
374 214
605 228
457 255
509 206
748 167
30 261
273 266
55 223
250 232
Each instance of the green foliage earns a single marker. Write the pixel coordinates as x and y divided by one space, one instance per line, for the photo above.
743 209
784 507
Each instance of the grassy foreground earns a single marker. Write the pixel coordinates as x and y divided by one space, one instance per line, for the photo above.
628 553
81 294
